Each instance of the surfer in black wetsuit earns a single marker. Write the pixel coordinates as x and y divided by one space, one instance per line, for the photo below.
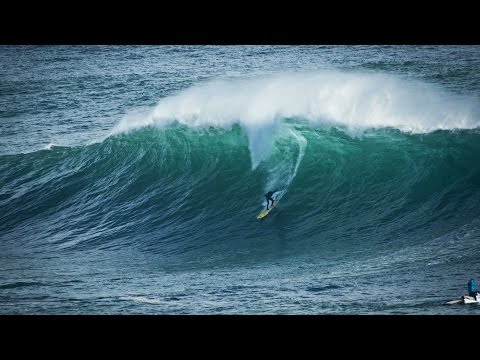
268 196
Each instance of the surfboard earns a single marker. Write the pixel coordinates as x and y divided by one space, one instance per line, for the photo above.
265 212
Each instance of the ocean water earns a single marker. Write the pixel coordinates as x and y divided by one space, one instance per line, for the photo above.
131 177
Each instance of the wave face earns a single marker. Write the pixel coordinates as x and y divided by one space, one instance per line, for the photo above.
382 184
174 190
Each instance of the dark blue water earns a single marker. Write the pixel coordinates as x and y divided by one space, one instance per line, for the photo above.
131 177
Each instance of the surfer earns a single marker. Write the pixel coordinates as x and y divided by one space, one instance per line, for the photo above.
471 289
268 196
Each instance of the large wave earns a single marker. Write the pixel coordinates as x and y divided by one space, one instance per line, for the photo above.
189 181
181 193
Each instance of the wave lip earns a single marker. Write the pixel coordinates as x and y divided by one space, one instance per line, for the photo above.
349 99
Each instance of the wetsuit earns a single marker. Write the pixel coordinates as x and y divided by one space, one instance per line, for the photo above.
268 196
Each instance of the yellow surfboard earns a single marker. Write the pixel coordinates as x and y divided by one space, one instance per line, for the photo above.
265 212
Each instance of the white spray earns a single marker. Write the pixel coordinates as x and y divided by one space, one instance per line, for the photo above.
353 101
